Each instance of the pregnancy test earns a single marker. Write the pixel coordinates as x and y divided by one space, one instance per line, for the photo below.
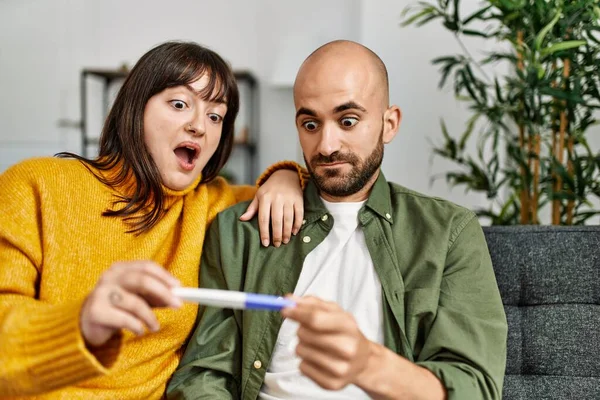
232 299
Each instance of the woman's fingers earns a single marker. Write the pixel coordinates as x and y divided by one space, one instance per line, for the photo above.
135 307
123 299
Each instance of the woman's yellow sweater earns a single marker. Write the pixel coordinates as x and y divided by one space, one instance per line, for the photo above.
54 245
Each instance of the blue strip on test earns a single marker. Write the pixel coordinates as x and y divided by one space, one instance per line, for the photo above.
266 302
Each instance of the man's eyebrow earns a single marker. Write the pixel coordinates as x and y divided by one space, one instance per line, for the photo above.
349 106
305 111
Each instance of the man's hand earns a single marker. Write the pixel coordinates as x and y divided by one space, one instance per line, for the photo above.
123 299
335 354
332 348
279 201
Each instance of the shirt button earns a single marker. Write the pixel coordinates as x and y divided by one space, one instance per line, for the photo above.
388 216
324 217
303 222
306 239
257 364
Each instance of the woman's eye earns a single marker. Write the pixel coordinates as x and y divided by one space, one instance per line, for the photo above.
310 125
349 122
215 117
178 104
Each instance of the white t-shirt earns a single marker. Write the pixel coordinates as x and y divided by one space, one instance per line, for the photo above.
339 269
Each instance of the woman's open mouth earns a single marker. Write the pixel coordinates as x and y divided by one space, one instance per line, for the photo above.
187 153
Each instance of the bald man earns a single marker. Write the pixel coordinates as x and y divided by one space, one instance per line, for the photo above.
395 293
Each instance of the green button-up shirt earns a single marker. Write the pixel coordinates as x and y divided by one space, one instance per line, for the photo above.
442 308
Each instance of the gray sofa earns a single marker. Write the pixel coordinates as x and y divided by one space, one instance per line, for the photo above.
549 279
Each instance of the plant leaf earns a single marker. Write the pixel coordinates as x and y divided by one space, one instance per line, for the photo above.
566 45
456 11
470 125
562 95
544 31
426 11
475 15
470 32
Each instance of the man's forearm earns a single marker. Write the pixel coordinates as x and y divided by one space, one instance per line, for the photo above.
390 376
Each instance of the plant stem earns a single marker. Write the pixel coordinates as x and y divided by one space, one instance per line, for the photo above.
470 57
561 147
555 203
571 202
524 195
536 179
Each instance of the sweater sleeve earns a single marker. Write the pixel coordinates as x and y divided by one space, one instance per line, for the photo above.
303 174
247 192
41 346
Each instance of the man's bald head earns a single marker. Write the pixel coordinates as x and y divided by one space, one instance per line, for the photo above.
344 56
344 118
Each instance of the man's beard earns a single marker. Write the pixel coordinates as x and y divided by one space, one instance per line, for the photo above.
337 184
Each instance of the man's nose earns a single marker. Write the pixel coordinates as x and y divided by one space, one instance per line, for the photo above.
330 141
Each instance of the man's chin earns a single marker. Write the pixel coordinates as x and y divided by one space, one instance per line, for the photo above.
337 188
332 173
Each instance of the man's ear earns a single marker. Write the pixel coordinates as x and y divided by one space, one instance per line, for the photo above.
391 122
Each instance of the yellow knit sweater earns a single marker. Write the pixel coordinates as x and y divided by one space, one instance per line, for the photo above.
54 245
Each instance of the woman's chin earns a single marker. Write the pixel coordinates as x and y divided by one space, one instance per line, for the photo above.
180 181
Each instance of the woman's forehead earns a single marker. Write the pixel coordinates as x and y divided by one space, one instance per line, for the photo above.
209 87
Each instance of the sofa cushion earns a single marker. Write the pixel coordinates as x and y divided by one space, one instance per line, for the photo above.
549 279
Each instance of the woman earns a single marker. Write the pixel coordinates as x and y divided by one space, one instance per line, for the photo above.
90 249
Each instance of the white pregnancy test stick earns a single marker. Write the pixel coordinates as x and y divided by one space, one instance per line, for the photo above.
232 299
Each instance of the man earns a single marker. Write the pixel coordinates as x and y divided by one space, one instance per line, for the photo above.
395 292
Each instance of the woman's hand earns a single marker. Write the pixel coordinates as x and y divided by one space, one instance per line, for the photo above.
123 299
279 201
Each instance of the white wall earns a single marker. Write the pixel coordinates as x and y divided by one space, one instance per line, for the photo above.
44 45
288 33
407 53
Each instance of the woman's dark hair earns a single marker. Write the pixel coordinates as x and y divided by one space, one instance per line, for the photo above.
122 141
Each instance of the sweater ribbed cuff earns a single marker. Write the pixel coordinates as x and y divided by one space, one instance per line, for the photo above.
303 174
55 352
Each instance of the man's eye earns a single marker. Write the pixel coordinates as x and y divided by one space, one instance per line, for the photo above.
215 117
310 125
349 122
178 104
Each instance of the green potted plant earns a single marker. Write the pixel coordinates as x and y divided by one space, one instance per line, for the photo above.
531 123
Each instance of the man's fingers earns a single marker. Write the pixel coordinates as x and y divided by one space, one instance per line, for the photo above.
306 304
320 304
326 362
338 344
314 319
320 376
